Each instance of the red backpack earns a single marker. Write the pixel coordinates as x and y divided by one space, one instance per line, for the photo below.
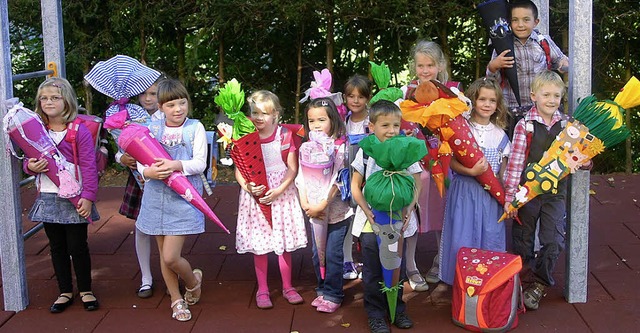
94 124
487 295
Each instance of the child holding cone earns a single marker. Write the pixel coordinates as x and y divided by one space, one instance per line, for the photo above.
471 212
321 158
532 136
65 224
163 212
285 231
384 122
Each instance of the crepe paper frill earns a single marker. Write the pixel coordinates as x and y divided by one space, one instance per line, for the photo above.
595 126
444 117
388 191
382 76
122 77
317 160
494 14
246 149
138 142
321 87
25 129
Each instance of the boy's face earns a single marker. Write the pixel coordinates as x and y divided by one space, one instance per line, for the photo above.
523 22
149 99
547 98
386 126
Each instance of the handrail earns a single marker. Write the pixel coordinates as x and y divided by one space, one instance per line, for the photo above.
31 75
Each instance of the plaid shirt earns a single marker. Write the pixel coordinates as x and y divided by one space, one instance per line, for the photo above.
530 60
517 159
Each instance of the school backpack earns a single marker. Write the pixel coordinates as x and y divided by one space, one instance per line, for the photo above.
487 295
94 125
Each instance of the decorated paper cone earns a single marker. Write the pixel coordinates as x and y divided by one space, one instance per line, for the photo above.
138 142
468 153
27 132
388 229
320 229
246 153
495 19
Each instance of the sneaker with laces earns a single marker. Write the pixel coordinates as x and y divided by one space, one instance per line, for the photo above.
378 325
532 295
349 271
403 321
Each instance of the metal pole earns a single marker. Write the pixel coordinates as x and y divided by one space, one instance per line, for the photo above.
52 34
14 277
577 266
543 15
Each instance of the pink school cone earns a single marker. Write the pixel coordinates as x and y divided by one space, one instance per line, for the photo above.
138 142
35 131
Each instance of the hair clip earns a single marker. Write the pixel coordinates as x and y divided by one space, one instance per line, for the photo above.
324 103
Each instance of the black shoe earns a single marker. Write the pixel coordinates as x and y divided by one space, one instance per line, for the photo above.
59 307
403 321
145 291
378 325
90 305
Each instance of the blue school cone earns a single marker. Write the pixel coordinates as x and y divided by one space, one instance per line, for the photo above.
388 229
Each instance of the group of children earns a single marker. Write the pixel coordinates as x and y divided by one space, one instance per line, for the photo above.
470 217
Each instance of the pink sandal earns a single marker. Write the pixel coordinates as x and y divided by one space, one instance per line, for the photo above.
292 296
317 301
263 301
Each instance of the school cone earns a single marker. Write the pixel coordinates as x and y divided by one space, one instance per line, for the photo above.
25 129
138 142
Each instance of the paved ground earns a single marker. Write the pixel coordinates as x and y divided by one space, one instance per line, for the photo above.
228 305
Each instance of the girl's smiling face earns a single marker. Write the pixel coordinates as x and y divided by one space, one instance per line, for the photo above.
356 102
263 120
485 106
175 111
319 121
426 67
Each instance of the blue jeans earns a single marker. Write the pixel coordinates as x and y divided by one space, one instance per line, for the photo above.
375 301
331 287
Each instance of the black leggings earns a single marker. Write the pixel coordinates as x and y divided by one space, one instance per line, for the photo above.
69 242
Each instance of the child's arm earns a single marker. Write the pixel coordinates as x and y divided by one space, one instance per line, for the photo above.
515 164
292 170
501 61
480 167
358 197
249 186
198 163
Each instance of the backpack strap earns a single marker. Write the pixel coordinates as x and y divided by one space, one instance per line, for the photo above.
411 89
286 137
72 133
529 128
544 43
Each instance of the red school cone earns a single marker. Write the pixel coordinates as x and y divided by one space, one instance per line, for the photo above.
138 142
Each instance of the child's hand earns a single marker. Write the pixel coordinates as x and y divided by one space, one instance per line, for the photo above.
270 196
173 165
480 167
406 216
587 165
37 165
158 170
369 214
128 161
316 211
255 190
510 213
84 207
501 61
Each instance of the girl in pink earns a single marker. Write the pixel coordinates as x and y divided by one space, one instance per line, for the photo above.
287 231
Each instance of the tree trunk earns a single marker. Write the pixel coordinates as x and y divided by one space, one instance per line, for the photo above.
372 48
296 117
221 78
330 43
180 47
143 39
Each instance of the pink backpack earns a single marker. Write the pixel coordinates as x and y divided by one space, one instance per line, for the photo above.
94 124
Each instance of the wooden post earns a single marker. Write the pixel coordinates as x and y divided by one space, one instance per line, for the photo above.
14 277
577 266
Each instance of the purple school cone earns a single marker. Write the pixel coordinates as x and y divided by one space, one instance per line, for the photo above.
28 133
320 238
388 229
495 19
138 142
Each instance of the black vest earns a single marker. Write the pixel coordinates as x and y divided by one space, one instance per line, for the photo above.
541 140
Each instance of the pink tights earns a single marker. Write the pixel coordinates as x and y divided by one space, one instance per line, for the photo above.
261 264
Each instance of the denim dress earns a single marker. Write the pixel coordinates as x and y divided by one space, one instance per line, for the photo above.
163 211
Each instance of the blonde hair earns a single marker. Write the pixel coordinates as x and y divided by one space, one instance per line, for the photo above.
498 118
265 100
65 90
547 77
433 51
171 89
